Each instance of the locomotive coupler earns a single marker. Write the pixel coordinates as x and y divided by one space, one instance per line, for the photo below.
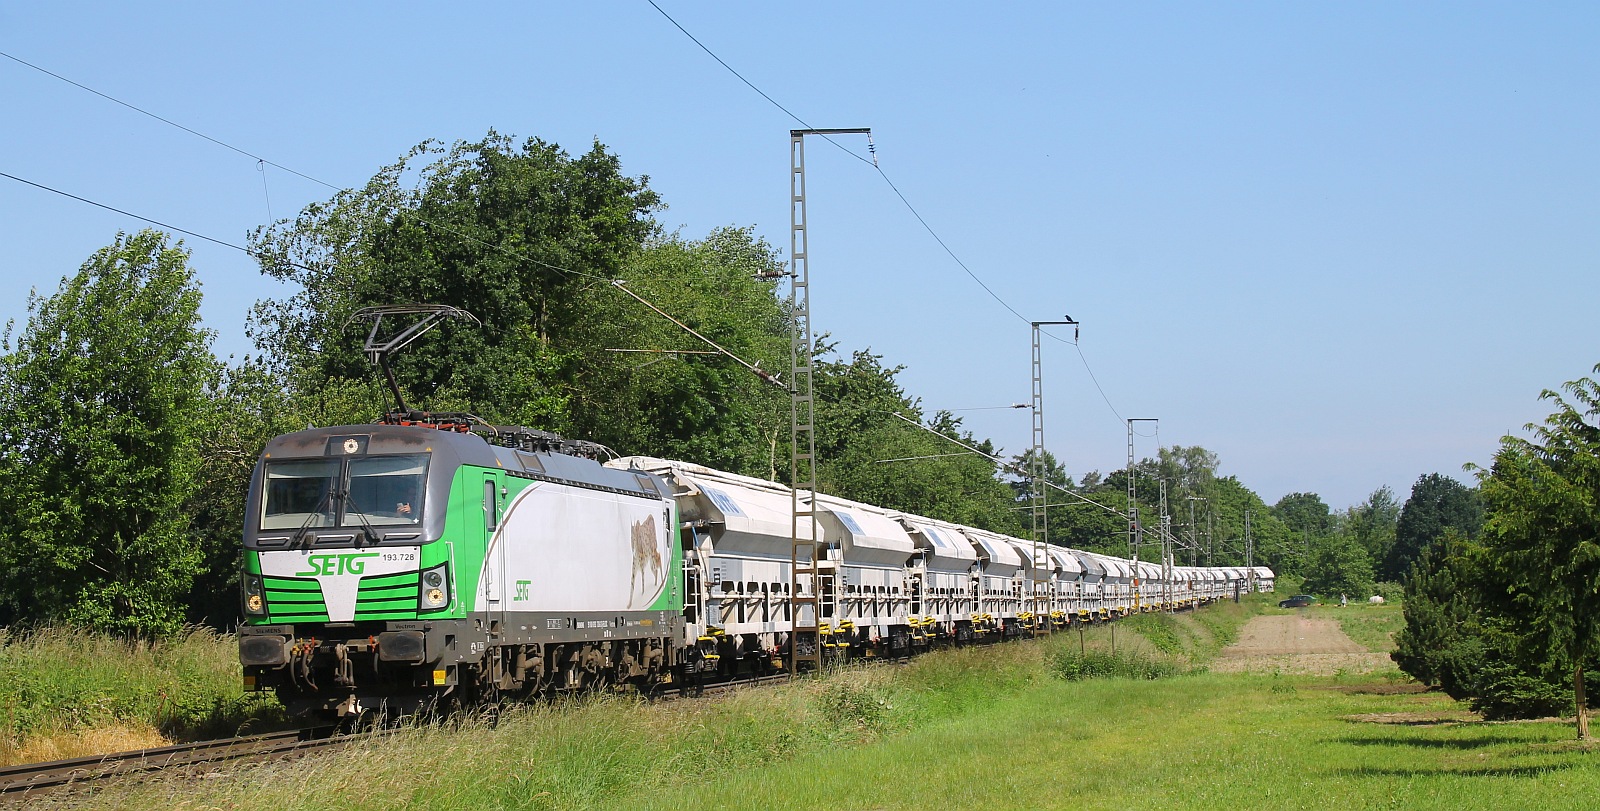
344 670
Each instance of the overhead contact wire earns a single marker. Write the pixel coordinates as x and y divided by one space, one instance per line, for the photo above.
167 121
873 162
770 100
261 161
1008 467
197 235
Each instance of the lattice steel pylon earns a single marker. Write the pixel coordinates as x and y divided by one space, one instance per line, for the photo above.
1167 562
1039 578
1135 529
806 547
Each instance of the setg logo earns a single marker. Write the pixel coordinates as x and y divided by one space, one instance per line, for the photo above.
347 563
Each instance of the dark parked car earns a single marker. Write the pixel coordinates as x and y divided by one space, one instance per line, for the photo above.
1297 601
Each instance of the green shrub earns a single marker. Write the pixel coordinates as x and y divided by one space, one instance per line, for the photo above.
846 703
1075 665
1505 692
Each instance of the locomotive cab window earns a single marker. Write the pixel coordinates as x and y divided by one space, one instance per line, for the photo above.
378 491
299 494
386 490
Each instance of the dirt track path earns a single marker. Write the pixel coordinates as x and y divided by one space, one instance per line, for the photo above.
1295 643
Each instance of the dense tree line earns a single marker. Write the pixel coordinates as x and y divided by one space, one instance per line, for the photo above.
126 446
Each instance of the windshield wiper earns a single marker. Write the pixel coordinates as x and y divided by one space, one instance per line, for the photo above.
366 526
300 534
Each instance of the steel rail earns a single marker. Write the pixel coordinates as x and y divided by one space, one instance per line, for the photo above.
30 777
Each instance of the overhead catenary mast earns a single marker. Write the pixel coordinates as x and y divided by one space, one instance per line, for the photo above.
1038 596
1135 529
1166 541
806 547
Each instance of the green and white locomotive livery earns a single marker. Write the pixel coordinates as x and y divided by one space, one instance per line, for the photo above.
397 565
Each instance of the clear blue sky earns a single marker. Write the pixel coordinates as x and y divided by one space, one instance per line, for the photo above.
1341 245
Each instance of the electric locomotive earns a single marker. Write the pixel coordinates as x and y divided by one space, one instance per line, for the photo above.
400 565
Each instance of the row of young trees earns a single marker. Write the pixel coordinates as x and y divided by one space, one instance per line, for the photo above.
126 446
1509 618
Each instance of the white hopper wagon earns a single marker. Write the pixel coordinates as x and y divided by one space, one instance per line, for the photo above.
999 565
944 580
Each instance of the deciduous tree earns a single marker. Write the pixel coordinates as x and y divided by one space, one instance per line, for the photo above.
1338 565
1437 503
100 403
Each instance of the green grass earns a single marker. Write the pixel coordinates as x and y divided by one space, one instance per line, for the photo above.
57 683
587 754
1202 742
1370 626
991 728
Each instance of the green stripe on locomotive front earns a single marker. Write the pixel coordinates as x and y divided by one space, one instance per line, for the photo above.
393 596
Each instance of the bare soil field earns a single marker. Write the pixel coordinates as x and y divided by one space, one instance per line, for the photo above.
1297 644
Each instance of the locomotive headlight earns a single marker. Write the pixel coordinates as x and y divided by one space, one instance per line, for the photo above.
254 602
435 588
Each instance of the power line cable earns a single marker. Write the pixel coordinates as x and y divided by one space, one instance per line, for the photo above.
1096 380
1008 467
261 161
896 189
261 166
197 235
872 163
168 121
751 85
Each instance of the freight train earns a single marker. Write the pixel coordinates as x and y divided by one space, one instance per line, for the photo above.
421 561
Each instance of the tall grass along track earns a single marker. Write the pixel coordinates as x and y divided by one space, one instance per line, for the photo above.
29 778
34 777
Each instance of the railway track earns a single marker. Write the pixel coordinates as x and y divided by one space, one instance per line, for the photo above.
20 781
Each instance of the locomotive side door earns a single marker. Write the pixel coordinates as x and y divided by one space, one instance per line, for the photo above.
494 563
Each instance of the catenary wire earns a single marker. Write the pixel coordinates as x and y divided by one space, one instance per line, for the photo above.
261 161
903 199
197 235
1007 466
751 85
168 121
